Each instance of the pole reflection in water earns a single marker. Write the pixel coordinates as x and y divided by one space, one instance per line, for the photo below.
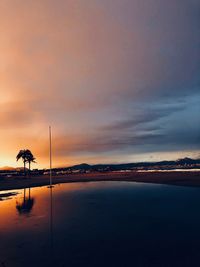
51 225
25 207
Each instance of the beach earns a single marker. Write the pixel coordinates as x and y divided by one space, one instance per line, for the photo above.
179 178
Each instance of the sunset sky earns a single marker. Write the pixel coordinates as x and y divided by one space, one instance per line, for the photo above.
118 81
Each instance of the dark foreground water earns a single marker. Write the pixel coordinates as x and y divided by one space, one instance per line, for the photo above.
100 224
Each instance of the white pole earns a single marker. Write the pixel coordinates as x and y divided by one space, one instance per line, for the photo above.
50 158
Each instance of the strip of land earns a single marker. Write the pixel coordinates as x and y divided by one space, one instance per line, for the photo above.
170 178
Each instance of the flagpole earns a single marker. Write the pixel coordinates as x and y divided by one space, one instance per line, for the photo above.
50 157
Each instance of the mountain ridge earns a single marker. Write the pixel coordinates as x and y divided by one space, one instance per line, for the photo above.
124 166
120 166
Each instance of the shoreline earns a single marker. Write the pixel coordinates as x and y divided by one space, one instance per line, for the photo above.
191 179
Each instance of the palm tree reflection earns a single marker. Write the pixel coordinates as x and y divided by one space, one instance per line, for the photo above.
25 206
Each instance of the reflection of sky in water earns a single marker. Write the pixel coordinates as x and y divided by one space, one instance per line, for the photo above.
101 224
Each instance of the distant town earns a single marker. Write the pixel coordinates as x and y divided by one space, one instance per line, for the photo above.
180 164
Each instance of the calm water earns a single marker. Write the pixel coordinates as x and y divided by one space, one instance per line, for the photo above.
100 224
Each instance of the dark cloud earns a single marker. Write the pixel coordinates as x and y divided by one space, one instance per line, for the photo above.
146 116
102 143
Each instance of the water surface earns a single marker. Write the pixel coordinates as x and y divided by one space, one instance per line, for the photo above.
100 224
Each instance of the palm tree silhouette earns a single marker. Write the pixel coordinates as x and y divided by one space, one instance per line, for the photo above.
29 158
26 156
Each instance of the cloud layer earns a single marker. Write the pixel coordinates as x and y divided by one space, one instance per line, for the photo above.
117 80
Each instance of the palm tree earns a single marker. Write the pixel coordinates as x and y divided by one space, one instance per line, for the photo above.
22 155
26 156
29 158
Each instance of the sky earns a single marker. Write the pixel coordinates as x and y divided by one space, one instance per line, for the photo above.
118 81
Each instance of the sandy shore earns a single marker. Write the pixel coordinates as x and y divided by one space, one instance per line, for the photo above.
172 178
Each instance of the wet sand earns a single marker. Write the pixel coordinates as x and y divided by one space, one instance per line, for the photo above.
172 178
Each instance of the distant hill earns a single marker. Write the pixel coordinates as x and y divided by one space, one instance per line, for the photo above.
185 163
7 168
180 163
82 166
